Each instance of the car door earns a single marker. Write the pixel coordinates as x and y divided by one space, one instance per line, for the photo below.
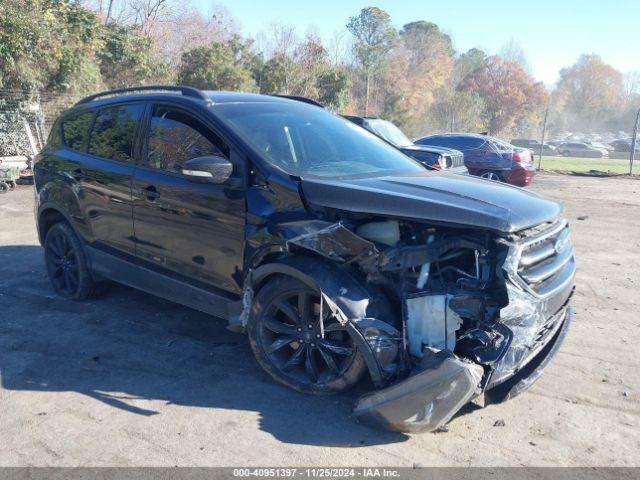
104 171
475 155
191 229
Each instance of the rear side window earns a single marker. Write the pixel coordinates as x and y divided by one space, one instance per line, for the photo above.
468 143
113 133
439 141
175 137
75 131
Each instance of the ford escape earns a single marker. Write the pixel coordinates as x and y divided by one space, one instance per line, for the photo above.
338 255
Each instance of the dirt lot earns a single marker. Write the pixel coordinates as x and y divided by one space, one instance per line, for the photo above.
129 379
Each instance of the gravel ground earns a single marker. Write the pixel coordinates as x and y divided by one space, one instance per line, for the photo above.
129 379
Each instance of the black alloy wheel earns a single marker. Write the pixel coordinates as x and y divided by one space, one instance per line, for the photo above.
66 263
295 347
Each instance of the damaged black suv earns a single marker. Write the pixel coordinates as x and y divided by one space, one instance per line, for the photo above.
337 254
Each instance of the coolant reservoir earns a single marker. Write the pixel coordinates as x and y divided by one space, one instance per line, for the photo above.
387 233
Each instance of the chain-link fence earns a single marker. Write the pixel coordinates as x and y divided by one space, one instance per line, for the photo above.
26 118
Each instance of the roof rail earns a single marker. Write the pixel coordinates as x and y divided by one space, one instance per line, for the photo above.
186 91
301 99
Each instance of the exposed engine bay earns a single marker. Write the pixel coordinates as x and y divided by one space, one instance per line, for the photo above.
464 321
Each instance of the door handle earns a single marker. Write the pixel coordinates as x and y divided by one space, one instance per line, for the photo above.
150 193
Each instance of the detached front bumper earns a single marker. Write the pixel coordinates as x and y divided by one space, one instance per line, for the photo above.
424 401
427 400
532 331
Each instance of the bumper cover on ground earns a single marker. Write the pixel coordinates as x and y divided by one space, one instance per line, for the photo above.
426 400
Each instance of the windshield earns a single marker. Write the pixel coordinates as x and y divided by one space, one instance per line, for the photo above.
389 132
310 142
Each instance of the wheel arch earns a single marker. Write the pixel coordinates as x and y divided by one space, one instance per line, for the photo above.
345 291
48 215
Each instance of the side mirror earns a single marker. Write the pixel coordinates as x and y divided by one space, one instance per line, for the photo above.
210 169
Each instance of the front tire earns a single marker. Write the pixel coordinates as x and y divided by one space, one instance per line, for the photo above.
288 341
66 263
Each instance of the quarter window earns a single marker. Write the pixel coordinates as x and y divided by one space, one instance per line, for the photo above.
113 132
75 131
175 137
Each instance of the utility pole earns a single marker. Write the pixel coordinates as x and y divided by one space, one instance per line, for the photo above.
633 143
544 130
108 17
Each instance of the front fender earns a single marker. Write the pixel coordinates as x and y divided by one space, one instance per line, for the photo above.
365 313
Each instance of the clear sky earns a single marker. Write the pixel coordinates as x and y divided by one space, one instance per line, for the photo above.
552 33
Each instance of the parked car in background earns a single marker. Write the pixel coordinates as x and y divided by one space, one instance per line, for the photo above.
580 149
601 146
624 146
437 158
488 157
534 146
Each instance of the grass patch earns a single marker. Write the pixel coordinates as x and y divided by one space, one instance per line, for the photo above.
571 164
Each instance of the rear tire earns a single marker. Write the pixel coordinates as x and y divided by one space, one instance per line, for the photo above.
491 175
285 336
4 187
66 263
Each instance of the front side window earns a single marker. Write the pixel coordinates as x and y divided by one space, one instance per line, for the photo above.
175 137
75 131
113 133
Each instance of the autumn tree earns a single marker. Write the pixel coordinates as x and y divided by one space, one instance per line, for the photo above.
456 111
303 68
420 65
508 92
374 37
590 91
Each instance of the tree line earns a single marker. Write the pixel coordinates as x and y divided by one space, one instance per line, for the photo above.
411 75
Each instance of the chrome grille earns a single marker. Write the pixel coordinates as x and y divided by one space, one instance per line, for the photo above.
454 161
546 262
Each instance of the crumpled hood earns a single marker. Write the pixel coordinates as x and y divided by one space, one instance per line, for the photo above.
439 197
